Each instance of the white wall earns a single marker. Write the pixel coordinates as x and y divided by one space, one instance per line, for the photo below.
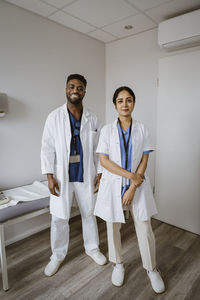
134 62
36 56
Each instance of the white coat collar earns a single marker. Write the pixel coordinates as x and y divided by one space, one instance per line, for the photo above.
85 114
114 125
115 134
85 110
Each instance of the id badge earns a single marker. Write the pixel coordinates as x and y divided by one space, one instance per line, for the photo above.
74 159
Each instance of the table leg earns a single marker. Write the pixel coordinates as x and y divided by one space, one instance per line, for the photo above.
3 259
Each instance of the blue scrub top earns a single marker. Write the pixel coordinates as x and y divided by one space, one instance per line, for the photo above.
76 169
123 155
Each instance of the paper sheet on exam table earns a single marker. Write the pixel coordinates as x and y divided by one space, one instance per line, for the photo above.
35 191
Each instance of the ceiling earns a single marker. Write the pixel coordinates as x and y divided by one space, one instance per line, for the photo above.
105 20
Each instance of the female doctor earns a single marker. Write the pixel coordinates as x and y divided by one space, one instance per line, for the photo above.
124 148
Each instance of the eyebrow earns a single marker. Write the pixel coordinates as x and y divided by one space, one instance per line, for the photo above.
71 84
126 98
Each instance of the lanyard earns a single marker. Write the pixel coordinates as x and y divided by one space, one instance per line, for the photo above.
76 130
126 143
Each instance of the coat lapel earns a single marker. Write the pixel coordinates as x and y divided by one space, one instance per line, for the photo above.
67 128
84 118
115 142
135 144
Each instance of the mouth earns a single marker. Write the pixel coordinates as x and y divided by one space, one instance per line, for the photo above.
74 96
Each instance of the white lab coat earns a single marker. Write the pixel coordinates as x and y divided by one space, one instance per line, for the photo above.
109 202
55 154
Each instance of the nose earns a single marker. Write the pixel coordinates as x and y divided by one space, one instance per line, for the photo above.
75 89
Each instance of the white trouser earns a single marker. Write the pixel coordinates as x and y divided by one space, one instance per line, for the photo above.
60 227
146 242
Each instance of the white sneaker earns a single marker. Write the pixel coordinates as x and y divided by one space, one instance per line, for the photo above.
52 267
156 281
98 257
118 276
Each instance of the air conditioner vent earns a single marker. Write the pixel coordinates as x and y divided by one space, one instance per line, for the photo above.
180 32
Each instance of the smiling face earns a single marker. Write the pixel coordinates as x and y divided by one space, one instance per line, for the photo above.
75 91
124 104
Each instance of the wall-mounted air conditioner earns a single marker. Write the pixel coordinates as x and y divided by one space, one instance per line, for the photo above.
180 32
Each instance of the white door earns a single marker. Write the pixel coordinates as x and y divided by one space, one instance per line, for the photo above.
177 187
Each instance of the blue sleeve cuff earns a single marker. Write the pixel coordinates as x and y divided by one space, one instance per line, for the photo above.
103 153
147 152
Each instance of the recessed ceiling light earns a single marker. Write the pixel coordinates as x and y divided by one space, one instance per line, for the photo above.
128 27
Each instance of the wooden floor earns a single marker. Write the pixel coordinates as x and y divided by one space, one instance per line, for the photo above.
178 258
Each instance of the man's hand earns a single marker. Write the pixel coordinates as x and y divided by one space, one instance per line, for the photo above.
136 179
53 185
97 182
129 195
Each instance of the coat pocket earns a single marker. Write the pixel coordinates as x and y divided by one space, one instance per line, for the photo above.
93 136
144 204
104 193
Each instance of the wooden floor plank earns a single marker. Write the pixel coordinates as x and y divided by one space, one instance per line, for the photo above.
79 278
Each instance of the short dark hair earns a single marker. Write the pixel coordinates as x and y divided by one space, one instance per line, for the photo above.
79 77
123 88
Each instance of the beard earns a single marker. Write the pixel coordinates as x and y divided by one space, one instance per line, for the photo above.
77 100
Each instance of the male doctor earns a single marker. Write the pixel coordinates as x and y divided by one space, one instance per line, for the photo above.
68 157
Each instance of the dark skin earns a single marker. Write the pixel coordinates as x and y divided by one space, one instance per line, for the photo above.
75 92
